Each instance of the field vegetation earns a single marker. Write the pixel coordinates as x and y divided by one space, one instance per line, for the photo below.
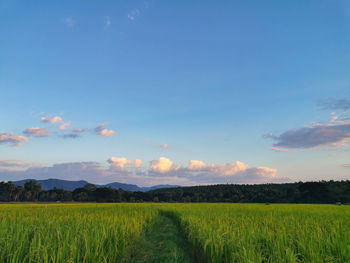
161 232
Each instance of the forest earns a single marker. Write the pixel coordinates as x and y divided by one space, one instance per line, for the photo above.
326 192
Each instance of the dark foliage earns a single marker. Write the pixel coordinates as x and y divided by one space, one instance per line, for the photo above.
308 192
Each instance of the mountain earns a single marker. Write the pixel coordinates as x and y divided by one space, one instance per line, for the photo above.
160 186
49 184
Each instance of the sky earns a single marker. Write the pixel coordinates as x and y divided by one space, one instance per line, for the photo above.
175 92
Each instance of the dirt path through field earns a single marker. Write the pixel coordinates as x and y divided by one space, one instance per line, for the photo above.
163 244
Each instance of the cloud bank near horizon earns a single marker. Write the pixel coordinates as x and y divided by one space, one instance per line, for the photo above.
161 171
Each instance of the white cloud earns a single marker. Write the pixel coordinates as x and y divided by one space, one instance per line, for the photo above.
108 21
7 138
227 169
163 166
161 171
160 145
198 172
52 120
38 132
63 126
196 165
120 163
55 120
17 164
69 21
133 14
276 149
268 135
101 131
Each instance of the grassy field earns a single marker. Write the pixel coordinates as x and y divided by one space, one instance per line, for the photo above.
165 232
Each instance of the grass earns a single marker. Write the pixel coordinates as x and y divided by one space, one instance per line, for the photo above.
162 232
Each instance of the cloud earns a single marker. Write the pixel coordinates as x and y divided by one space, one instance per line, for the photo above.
314 136
108 21
90 171
199 172
52 120
133 14
69 21
163 166
56 120
275 149
78 130
101 131
7 138
161 171
38 132
227 169
268 135
334 104
120 163
17 164
159 145
196 165
70 136
63 126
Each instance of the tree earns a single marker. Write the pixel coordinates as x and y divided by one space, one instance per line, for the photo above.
33 188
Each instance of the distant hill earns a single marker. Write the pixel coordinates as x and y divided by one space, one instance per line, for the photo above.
49 184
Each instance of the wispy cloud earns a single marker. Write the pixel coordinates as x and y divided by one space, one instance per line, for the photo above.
13 140
334 104
133 14
102 131
78 130
268 135
276 149
69 21
17 164
159 145
108 21
70 136
52 120
38 132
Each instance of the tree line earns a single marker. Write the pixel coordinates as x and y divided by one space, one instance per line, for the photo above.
300 192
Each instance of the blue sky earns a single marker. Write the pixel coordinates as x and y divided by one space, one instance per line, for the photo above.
174 81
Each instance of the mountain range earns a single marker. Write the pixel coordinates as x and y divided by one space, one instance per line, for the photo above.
49 184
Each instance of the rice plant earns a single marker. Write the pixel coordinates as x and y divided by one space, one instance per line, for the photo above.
71 233
261 233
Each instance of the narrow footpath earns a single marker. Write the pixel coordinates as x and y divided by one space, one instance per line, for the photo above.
164 243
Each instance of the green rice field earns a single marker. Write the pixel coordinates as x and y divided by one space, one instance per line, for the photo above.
174 233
